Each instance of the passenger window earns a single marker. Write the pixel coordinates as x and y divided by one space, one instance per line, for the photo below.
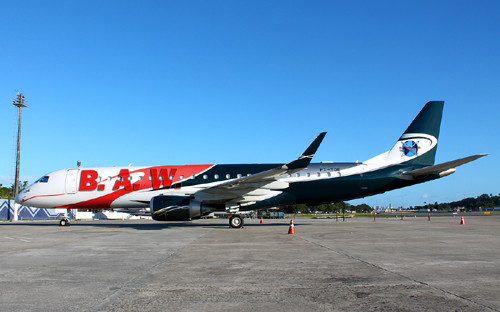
228 176
205 177
171 177
238 175
182 177
216 176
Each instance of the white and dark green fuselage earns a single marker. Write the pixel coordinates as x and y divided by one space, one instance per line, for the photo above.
173 193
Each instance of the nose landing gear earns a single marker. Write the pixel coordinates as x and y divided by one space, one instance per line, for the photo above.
64 222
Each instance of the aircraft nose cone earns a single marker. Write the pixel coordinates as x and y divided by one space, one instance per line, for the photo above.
20 197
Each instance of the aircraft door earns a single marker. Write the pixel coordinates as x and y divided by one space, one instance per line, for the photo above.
71 179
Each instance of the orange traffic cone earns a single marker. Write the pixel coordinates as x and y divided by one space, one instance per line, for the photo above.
462 221
291 229
261 221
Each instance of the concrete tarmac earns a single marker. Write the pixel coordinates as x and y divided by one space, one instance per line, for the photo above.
357 265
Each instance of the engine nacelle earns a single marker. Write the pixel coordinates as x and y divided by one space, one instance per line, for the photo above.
176 208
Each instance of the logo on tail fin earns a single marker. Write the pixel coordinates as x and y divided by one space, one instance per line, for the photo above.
409 148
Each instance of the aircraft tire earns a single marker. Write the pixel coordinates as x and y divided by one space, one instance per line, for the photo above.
236 222
64 222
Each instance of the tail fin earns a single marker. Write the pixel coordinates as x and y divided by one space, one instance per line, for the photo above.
418 143
428 121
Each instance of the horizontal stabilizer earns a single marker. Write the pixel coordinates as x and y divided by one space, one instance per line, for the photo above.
436 169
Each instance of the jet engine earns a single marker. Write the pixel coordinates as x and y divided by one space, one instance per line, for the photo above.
177 208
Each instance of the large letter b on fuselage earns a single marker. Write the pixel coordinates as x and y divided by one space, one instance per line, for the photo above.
88 180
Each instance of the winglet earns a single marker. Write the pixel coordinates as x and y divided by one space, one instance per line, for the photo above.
306 157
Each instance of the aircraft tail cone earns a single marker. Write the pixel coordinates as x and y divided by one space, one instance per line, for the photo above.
261 221
291 229
462 221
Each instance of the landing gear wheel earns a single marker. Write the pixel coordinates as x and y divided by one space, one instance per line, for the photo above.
236 222
64 222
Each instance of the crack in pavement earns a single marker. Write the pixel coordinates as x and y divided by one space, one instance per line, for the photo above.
398 274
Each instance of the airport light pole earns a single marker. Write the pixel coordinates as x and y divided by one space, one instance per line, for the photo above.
19 102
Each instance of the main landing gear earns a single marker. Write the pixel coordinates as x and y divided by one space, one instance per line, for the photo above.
236 222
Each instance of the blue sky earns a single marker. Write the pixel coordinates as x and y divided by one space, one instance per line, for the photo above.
183 82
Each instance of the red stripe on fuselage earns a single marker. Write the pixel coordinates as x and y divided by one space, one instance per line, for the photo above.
22 202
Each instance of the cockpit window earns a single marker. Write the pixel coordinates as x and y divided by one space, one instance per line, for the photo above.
43 179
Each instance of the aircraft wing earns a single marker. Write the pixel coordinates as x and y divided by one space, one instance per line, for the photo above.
441 168
259 184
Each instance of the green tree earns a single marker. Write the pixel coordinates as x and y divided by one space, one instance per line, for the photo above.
8 192
363 208
5 192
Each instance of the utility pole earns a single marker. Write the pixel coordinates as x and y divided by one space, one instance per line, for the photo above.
19 102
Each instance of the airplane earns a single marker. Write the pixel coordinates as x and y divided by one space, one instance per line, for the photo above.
186 192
